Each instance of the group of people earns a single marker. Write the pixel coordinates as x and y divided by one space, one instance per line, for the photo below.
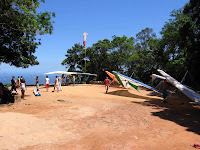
20 82
57 83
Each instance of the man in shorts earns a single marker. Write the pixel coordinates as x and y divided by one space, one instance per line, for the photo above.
107 83
47 81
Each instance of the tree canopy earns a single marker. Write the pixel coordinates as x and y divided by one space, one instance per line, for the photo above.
19 24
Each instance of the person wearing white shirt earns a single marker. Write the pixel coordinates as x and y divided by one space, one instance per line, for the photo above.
47 81
59 83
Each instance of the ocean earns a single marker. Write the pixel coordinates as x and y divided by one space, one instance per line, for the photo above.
6 77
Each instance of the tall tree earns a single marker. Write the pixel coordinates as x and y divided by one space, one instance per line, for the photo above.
190 35
181 35
19 25
122 47
74 59
171 38
141 62
98 56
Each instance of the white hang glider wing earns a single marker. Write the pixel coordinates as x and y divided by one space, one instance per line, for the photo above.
88 74
56 72
156 79
188 92
69 73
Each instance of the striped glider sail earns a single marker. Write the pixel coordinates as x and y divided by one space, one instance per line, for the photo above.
133 81
125 82
188 92
112 76
134 86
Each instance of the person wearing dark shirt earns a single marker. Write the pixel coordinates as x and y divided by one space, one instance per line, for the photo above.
13 83
164 89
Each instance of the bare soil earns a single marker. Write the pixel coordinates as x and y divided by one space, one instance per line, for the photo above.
84 117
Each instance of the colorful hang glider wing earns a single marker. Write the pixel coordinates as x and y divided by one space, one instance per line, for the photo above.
135 82
134 86
126 82
188 92
122 80
112 76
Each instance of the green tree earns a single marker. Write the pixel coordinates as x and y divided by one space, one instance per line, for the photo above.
121 51
181 35
190 40
98 56
74 58
19 25
171 38
142 60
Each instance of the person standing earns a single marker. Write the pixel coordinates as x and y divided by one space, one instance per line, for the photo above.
47 81
21 79
63 78
67 80
23 88
164 89
73 79
107 83
37 83
59 83
18 82
13 83
55 85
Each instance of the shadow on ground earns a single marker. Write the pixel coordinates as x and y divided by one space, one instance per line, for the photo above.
126 93
178 109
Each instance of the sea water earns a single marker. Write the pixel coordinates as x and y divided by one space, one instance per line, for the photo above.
6 77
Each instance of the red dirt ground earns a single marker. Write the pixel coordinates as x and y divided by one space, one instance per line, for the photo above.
83 117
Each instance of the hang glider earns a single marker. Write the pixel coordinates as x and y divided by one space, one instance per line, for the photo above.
125 81
156 79
112 76
188 92
69 73
56 72
88 74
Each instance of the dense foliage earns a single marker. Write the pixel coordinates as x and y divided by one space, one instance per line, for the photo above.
19 25
175 52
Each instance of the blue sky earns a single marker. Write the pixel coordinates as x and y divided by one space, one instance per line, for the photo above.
100 19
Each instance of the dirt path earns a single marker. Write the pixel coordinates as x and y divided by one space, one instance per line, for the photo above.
83 117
